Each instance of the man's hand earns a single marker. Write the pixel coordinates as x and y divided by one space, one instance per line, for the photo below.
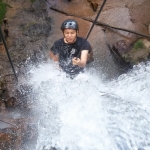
76 61
53 57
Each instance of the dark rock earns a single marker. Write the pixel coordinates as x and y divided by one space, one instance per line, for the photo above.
133 20
18 132
36 30
121 46
5 141
94 6
11 102
118 59
133 53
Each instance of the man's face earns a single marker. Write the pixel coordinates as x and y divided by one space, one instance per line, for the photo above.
70 35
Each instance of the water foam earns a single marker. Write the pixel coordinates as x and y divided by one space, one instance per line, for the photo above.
89 114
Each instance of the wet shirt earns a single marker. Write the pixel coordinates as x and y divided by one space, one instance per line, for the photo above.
66 52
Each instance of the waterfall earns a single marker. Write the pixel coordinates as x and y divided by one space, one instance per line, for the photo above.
89 113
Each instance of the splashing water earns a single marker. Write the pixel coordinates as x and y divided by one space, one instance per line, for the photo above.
90 114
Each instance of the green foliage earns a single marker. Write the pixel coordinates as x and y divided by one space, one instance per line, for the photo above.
32 1
139 44
2 10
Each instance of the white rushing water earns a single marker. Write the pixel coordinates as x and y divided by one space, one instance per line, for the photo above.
90 114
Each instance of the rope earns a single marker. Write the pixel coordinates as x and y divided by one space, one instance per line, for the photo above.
94 22
1 34
96 19
9 123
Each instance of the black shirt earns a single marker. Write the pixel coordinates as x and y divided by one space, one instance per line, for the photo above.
66 52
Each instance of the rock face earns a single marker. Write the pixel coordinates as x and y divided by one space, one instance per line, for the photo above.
29 33
18 132
149 28
94 4
134 53
27 43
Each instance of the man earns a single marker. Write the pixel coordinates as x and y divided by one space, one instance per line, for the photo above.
70 51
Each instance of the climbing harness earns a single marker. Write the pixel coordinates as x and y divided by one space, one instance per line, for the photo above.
1 34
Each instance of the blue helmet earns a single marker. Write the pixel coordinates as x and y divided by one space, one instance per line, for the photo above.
70 24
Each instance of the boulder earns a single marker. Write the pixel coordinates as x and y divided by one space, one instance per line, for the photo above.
134 53
94 4
15 132
5 141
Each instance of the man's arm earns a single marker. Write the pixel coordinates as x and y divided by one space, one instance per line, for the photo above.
53 57
81 62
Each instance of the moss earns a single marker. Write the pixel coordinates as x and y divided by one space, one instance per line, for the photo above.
26 27
3 7
139 44
32 1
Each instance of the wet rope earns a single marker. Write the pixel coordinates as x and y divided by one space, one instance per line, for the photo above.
9 123
1 34
94 22
96 19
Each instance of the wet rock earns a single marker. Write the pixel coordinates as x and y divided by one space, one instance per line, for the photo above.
138 51
5 141
117 50
94 5
1 67
10 138
149 28
32 9
146 43
34 29
2 106
5 99
11 102
4 94
18 132
2 49
121 46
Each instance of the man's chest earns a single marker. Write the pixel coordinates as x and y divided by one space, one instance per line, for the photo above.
69 50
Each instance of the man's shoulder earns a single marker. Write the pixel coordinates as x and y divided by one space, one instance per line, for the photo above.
81 39
59 41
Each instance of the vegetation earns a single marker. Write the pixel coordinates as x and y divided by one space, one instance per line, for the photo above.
139 44
32 1
2 10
